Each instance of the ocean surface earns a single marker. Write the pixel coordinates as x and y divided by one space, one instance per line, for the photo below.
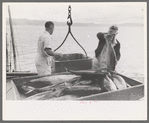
132 42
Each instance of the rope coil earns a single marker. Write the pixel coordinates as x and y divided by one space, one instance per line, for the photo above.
69 23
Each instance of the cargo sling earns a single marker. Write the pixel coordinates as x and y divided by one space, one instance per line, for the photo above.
69 23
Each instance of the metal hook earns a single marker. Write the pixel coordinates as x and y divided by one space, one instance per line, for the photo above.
69 22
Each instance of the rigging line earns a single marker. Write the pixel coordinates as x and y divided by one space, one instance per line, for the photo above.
10 54
12 37
17 48
20 48
78 43
7 59
7 63
16 45
18 60
10 47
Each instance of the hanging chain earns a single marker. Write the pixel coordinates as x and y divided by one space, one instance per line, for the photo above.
69 23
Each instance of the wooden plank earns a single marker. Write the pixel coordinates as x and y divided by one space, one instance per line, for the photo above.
18 74
16 94
133 93
130 81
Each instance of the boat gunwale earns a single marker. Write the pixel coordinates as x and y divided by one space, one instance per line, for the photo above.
110 92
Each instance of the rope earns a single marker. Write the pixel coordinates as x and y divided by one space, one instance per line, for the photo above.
17 53
69 23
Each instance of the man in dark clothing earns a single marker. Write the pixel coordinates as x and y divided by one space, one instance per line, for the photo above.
106 56
108 51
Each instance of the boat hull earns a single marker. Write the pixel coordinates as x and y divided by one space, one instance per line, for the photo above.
135 92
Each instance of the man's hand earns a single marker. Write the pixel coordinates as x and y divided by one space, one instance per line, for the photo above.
51 53
60 54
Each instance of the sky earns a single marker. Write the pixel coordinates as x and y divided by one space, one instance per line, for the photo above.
87 12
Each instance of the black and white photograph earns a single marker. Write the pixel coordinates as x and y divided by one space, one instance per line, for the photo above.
89 53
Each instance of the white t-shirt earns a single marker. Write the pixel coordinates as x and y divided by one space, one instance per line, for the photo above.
42 57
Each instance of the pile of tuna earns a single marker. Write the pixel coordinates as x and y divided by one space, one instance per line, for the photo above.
73 86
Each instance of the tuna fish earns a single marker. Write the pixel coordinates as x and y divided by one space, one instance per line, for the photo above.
108 84
119 82
55 79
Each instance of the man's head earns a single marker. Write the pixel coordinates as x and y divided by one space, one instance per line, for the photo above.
49 26
112 30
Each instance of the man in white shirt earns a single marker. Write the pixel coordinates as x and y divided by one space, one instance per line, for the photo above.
44 50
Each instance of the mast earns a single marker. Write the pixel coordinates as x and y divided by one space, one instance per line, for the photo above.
13 44
7 65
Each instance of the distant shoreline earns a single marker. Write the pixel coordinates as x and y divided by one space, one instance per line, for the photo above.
42 22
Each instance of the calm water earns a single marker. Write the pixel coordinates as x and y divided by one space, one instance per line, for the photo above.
132 45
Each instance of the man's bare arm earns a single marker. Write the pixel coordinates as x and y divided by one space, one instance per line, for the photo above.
51 53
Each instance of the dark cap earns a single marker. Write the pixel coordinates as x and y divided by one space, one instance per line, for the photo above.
113 27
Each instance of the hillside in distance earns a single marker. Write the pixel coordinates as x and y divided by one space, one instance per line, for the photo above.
42 22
